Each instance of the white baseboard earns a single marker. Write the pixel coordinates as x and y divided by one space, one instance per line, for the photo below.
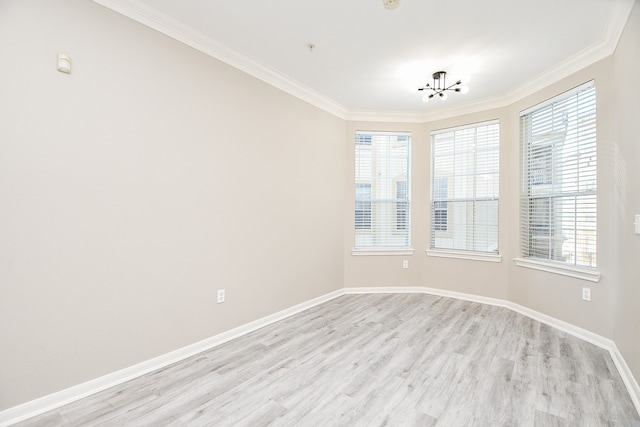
548 320
71 394
588 336
627 376
430 291
58 399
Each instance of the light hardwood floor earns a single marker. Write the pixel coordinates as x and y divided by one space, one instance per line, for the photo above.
379 359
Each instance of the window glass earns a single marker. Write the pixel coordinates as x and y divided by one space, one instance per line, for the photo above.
559 203
464 188
382 190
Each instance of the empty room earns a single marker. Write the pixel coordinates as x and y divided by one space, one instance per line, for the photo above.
320 213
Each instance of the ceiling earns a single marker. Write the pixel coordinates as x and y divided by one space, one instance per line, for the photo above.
368 62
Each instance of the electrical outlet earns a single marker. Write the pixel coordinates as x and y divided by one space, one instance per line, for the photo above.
220 296
405 264
586 294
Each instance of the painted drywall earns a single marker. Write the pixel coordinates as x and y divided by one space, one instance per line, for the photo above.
489 278
135 187
364 271
483 278
557 295
152 176
626 174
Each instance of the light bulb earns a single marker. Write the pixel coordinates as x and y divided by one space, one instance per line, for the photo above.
464 89
444 96
426 97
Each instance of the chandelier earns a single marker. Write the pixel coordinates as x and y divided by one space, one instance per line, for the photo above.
440 88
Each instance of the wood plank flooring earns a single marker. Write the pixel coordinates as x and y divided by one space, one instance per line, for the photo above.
373 360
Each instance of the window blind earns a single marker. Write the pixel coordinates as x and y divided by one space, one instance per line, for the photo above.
465 164
382 191
559 201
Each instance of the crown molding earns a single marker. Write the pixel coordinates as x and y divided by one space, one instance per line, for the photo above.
589 56
154 18
385 116
430 116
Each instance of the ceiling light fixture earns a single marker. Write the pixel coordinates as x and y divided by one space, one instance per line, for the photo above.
390 4
440 88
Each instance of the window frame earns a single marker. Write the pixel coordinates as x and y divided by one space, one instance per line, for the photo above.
538 185
438 199
390 231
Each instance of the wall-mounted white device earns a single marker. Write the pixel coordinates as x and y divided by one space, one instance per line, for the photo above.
64 63
637 223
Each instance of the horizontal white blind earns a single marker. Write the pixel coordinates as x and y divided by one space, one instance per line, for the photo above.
465 188
559 195
383 191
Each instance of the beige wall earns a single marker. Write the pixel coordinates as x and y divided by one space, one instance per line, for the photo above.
489 279
153 175
625 168
134 188
552 294
383 271
614 309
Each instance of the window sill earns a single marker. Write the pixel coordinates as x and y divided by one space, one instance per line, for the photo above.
474 256
557 268
368 252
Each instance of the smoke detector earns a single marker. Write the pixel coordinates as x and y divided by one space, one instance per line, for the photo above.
390 4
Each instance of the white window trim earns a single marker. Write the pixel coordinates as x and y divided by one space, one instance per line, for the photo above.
375 252
557 267
559 97
473 256
453 253
466 126
400 250
587 274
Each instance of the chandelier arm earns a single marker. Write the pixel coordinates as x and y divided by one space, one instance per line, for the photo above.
440 87
442 90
